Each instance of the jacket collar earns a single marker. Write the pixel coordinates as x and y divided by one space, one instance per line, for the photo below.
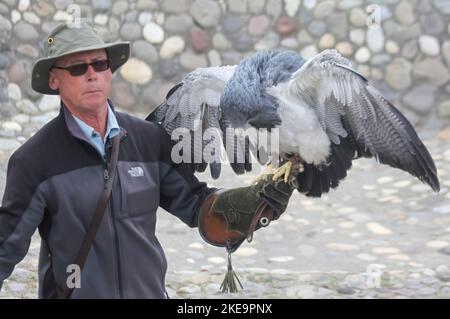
75 129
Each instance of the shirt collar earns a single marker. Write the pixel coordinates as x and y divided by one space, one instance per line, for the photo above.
112 127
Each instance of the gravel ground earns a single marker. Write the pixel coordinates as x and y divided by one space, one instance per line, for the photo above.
381 234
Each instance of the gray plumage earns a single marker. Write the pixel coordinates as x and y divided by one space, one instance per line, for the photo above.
325 111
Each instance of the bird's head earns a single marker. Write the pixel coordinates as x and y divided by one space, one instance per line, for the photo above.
243 107
245 100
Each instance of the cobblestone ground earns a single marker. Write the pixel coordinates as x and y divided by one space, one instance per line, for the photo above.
381 234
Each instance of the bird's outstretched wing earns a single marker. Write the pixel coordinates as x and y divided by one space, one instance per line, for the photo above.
359 121
193 106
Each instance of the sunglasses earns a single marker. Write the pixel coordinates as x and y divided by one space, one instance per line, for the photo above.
80 69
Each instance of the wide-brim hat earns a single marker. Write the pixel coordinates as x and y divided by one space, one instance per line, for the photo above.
73 38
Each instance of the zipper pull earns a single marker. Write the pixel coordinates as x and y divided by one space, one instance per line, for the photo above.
105 174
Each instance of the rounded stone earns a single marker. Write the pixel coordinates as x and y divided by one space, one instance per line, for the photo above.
432 23
324 9
432 70
338 25
119 7
206 12
233 24
171 47
270 41
11 126
357 36
286 25
43 8
214 58
199 40
145 51
446 52
444 109
317 28
392 47
291 7
303 37
27 107
258 25
179 24
220 42
274 8
147 5
410 49
375 39
437 244
237 6
404 12
25 32
102 19
175 6
155 92
101 5
23 5
136 71
242 42
429 45
8 144
130 31
348 4
21 119
420 98
49 103
358 17
256 6
3 9
362 55
378 229
15 16
19 71
153 33
122 95
345 48
14 92
327 41
398 74
4 61
291 43
190 61
31 17
309 51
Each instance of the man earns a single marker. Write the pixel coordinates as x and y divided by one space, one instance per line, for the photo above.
54 181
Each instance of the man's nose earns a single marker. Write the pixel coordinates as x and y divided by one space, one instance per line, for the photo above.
90 73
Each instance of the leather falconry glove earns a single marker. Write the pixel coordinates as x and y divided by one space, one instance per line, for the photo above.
228 217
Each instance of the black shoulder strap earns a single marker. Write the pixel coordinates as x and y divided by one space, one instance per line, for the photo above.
98 214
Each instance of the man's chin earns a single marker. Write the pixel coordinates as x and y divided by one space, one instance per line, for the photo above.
92 101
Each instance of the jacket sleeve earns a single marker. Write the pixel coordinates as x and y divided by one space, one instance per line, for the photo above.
181 193
21 212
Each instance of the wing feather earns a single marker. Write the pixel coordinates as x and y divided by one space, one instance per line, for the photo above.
194 104
350 109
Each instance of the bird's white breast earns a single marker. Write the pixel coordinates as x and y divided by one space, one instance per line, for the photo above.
300 130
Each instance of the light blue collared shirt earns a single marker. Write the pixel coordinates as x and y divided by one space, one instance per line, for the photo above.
112 129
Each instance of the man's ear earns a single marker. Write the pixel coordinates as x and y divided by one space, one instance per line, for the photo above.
53 81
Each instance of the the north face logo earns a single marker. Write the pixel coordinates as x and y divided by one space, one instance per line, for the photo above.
136 171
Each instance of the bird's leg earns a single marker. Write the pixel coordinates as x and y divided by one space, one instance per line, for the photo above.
267 171
289 170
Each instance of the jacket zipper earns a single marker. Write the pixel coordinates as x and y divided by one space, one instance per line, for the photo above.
116 236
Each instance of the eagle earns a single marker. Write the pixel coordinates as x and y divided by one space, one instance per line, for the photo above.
325 112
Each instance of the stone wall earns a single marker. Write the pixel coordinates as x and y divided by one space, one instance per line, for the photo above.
402 46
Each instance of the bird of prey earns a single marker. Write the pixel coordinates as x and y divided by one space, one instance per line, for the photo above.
327 115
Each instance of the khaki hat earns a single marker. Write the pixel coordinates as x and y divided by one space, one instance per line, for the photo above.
64 40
